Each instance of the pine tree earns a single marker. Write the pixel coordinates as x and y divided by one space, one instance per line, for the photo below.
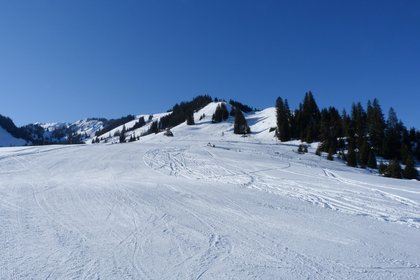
190 118
375 125
240 125
382 168
283 122
417 149
394 170
364 154
372 160
405 153
410 172
358 122
351 155
308 119
331 152
154 128
122 135
392 139
330 129
221 113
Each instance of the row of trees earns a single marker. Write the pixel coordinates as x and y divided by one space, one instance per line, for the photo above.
221 113
240 125
364 133
303 123
184 111
114 123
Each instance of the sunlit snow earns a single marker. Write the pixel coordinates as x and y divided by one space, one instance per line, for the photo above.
204 204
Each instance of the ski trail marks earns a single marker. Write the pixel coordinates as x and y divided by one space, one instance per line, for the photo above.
181 162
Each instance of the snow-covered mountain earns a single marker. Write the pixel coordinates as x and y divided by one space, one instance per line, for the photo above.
62 133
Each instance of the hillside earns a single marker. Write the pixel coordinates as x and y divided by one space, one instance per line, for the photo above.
178 208
7 139
260 123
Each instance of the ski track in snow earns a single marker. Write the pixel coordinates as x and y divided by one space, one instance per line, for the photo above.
355 197
184 210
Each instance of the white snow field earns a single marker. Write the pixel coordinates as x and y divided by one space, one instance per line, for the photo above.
178 208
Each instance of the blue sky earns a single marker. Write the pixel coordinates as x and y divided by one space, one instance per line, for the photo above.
67 60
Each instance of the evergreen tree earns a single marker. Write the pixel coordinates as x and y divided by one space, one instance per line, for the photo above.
394 170
190 118
417 149
154 128
283 122
410 171
405 152
122 135
308 119
331 152
364 154
330 130
346 123
392 140
140 122
358 123
351 155
382 168
372 160
375 125
221 113
240 125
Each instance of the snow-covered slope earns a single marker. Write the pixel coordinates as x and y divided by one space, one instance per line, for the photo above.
111 136
58 132
87 127
260 123
7 140
178 208
85 130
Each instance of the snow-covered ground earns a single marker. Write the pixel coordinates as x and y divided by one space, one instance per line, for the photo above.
204 204
180 209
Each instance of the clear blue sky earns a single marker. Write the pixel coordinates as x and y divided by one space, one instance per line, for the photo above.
67 60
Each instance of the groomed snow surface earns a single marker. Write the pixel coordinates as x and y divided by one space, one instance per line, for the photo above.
184 208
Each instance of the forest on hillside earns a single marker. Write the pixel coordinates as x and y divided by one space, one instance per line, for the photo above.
358 137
